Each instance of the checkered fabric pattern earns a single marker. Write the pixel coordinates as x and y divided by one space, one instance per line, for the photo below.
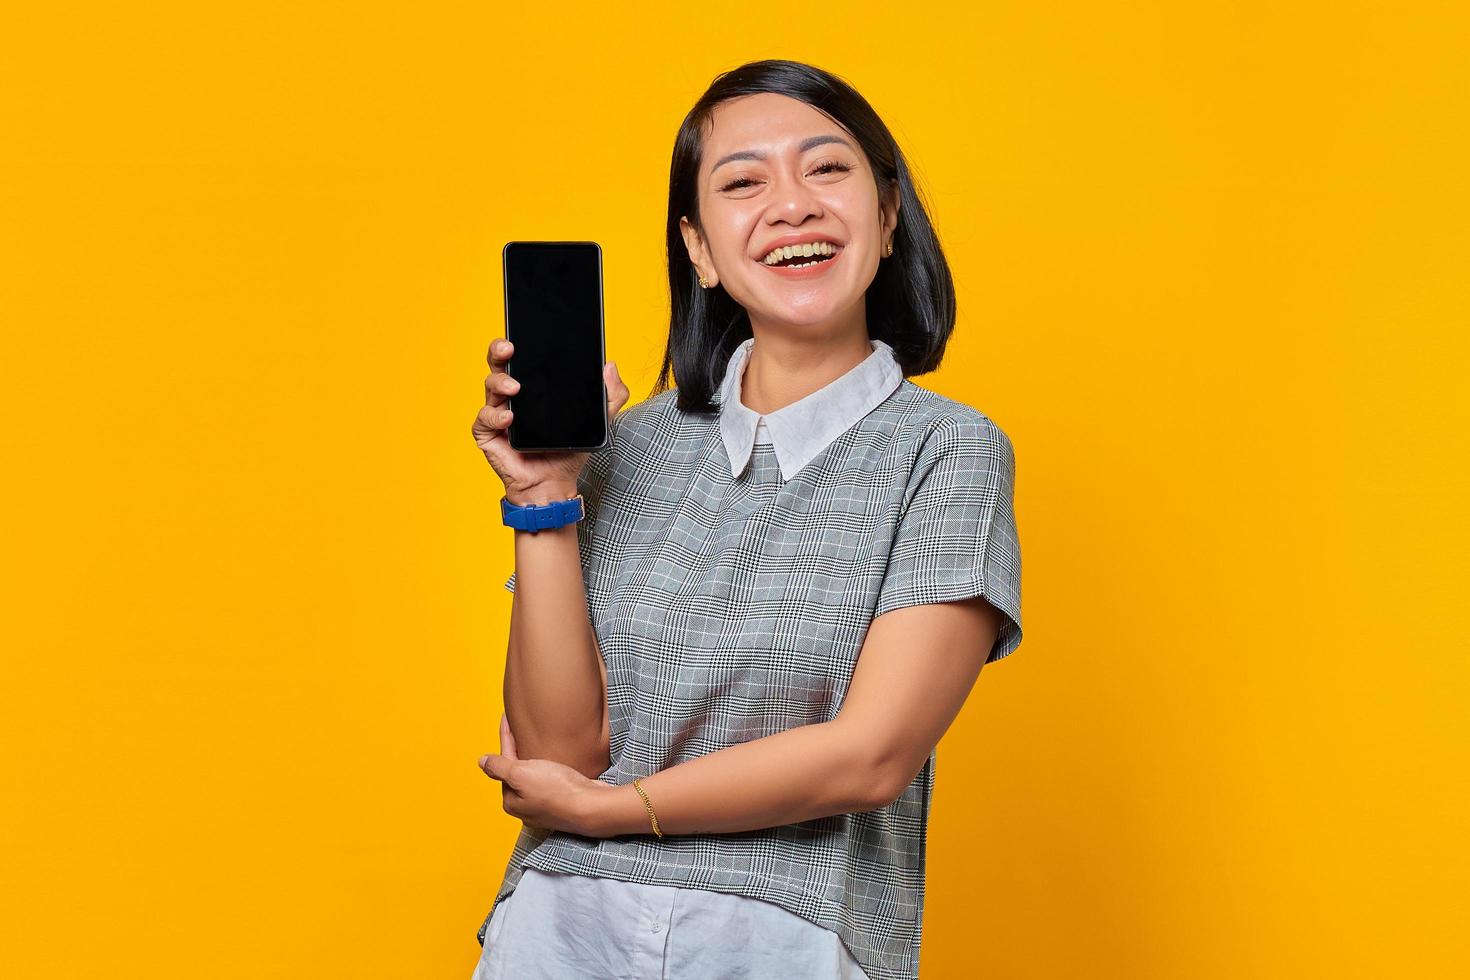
728 608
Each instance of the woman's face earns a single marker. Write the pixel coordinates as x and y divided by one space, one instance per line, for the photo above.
776 171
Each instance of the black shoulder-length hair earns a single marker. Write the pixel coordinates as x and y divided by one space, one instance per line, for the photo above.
911 301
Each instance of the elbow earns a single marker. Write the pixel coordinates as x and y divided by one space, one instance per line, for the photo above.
602 750
588 752
601 759
596 761
877 768
591 764
595 769
590 758
882 791
889 775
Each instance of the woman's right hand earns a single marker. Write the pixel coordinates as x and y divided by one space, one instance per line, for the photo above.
531 478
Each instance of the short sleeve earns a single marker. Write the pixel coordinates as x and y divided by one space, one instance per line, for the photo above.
957 538
590 482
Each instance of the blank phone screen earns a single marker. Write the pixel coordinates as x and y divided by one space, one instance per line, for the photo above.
553 316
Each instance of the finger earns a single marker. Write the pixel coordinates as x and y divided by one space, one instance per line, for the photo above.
500 352
496 767
507 740
494 417
487 429
514 804
617 391
499 386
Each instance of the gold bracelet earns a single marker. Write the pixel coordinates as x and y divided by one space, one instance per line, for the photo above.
653 817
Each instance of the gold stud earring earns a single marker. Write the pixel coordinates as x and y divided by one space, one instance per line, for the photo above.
889 250
703 282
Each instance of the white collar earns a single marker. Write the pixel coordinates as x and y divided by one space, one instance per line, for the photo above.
807 426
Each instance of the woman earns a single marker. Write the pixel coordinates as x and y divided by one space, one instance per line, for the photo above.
726 682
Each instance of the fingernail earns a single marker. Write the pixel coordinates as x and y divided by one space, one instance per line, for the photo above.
482 761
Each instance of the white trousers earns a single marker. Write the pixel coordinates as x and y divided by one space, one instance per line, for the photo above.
578 927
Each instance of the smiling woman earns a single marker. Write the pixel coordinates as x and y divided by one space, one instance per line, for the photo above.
757 165
794 565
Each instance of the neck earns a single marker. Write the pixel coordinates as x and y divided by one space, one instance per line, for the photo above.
783 369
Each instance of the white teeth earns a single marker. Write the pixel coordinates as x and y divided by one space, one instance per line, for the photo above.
804 249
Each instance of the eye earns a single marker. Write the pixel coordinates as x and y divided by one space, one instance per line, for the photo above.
829 166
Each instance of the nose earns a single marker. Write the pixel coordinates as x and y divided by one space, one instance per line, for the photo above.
792 201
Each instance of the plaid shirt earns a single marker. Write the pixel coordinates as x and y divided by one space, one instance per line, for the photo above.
730 602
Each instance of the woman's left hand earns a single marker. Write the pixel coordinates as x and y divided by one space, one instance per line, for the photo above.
542 793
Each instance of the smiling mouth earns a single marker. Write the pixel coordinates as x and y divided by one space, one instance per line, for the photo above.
797 262
801 262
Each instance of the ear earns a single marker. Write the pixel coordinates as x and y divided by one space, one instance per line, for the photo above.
888 210
698 252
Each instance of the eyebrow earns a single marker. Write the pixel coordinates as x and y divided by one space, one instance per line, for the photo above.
802 147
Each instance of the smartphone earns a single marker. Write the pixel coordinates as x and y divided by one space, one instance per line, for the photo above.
554 317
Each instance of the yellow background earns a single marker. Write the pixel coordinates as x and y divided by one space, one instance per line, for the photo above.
1211 262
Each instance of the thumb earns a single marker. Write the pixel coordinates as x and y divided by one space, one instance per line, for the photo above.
499 767
507 740
617 391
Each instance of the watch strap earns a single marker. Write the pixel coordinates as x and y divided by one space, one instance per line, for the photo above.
541 517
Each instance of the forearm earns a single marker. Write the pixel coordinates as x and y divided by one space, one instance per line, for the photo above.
800 774
555 695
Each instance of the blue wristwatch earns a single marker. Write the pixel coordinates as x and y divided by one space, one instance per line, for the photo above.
540 517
